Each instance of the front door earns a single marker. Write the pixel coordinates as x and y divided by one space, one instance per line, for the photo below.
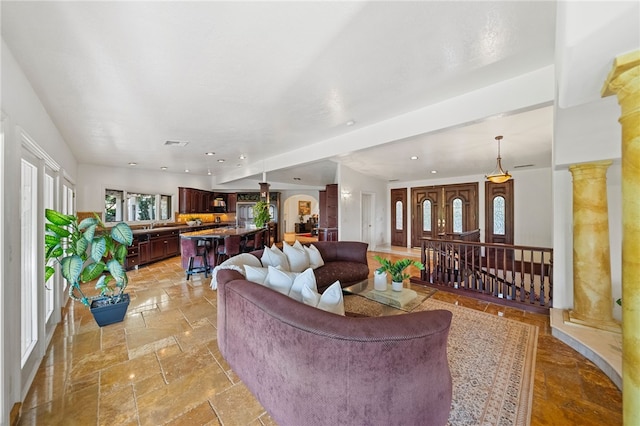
443 210
399 217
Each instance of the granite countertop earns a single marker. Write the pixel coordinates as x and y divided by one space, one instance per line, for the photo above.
181 227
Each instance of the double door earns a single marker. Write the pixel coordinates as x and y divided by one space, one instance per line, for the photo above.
443 211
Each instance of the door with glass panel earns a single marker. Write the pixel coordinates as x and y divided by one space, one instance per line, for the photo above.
399 217
499 214
444 210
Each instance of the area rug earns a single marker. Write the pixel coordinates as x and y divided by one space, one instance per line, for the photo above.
492 362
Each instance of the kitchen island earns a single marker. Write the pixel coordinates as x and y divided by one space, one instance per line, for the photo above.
189 241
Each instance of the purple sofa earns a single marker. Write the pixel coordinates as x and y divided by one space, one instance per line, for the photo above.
343 260
310 367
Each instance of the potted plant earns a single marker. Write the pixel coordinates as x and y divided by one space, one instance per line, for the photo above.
87 251
261 214
397 270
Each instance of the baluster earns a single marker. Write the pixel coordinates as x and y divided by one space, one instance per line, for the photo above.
522 292
532 290
542 275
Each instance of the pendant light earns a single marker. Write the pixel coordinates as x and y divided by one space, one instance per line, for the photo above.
498 175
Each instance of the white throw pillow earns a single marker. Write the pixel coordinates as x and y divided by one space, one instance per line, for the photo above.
331 300
272 256
279 280
237 263
256 274
315 258
296 256
304 280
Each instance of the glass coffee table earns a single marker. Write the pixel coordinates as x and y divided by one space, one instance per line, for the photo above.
406 300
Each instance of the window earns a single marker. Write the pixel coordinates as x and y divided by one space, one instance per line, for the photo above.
426 215
29 249
132 206
498 215
399 215
457 215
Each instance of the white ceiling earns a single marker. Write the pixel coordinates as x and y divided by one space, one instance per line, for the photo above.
262 79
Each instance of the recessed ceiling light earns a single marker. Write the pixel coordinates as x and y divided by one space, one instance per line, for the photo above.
350 123
186 170
209 172
133 164
414 157
434 172
221 160
209 153
163 168
242 156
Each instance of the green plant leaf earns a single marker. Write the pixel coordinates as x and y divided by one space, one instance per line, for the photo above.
122 233
92 271
116 270
51 240
102 285
87 222
121 253
58 218
53 251
71 267
98 249
90 231
59 231
48 272
80 247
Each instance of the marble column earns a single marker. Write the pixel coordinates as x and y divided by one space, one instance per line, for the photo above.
624 81
592 301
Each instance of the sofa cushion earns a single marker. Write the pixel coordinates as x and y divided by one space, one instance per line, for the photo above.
279 280
345 272
306 279
331 300
315 258
237 263
297 257
256 274
273 256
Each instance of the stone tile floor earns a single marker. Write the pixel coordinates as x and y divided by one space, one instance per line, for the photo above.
162 365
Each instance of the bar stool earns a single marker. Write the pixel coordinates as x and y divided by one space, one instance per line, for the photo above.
201 249
229 248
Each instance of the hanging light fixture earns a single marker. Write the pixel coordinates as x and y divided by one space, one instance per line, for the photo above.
498 175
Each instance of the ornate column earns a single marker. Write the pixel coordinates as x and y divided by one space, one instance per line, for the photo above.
592 301
624 81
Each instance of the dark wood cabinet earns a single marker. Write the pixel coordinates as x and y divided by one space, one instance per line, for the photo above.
144 253
232 199
163 244
133 254
328 212
195 201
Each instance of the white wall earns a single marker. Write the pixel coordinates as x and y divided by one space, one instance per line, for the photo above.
22 111
350 209
93 180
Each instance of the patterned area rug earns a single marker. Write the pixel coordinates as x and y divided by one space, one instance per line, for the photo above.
492 362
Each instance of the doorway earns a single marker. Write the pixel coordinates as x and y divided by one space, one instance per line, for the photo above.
443 210
367 202
399 217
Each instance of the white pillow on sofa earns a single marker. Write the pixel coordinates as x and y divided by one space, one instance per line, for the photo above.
315 258
331 300
256 274
279 280
305 279
236 263
272 256
296 256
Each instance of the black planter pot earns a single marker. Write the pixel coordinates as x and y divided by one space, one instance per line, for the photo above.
105 313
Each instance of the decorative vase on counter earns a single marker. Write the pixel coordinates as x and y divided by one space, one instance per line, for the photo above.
396 286
380 281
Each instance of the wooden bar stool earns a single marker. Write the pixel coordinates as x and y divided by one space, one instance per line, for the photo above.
229 248
201 249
